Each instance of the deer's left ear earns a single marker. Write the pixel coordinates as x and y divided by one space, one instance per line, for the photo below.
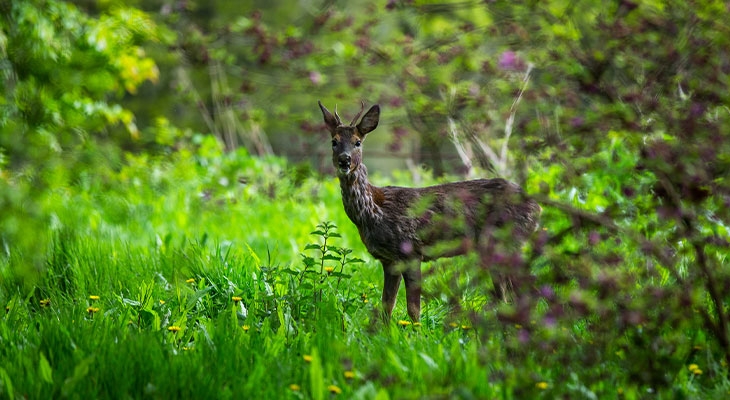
369 121
330 120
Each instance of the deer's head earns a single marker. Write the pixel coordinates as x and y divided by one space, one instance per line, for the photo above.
347 139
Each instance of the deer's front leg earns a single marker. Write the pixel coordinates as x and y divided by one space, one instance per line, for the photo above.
412 278
391 283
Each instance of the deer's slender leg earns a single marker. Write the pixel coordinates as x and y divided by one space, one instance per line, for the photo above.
391 283
412 278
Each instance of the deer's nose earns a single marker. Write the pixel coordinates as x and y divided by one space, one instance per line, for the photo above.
344 160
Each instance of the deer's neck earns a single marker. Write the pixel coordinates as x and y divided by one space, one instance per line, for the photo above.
361 199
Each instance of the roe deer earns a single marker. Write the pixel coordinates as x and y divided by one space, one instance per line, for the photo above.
401 226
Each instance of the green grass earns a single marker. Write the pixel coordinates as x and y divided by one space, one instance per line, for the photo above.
169 247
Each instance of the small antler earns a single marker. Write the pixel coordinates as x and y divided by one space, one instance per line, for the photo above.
362 108
337 116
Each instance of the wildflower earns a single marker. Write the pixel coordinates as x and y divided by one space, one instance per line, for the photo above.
94 297
294 387
45 302
334 389
307 358
174 328
349 374
541 385
693 367
236 299
92 310
465 327
191 280
246 328
416 324
162 302
329 269
404 322
697 371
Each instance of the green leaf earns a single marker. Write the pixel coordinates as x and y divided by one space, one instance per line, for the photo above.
44 369
316 377
312 246
7 383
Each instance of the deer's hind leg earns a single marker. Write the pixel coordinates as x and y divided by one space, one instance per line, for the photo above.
412 279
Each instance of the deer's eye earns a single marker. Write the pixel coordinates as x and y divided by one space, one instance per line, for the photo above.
358 143
334 143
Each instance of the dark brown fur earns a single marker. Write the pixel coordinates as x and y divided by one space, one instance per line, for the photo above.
403 226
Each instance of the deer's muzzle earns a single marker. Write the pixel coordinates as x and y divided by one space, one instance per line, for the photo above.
343 161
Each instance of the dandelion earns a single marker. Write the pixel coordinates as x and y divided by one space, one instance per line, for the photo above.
162 302
697 371
94 297
693 367
349 374
191 280
307 358
334 389
465 327
416 324
453 324
294 387
236 299
92 310
45 302
174 328
541 385
246 328
329 269
404 322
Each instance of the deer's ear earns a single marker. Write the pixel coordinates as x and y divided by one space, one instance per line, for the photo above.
369 121
330 120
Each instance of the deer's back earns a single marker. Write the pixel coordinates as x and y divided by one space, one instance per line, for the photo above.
415 219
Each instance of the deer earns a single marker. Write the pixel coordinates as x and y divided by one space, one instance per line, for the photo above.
402 227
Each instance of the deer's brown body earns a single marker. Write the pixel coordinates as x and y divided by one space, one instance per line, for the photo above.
403 226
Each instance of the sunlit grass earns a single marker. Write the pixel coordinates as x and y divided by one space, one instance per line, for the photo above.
180 295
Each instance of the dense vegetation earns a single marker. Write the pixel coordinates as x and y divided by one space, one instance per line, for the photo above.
153 245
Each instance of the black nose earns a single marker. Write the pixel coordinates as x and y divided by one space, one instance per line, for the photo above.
344 160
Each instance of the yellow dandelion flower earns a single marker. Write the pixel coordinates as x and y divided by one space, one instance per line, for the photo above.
246 328
465 327
94 297
334 389
191 280
162 302
45 302
92 310
541 385
453 324
365 301
174 328
307 358
416 324
404 322
294 387
697 371
693 367
349 374
236 299
329 270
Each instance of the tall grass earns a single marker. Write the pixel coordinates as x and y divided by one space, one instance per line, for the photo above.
198 276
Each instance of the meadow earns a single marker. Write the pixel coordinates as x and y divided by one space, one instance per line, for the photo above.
214 274
152 245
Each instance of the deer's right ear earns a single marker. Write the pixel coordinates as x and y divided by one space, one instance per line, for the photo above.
330 120
369 121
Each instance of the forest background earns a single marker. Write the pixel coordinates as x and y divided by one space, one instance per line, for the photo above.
155 150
